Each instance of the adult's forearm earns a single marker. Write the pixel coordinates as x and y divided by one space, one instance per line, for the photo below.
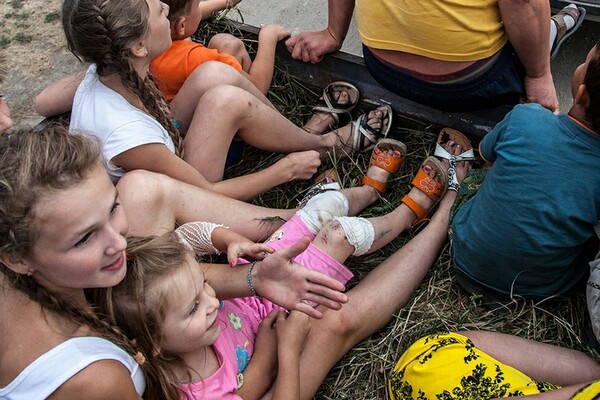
340 15
527 24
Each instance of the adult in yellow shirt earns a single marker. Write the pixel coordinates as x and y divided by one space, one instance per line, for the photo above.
454 56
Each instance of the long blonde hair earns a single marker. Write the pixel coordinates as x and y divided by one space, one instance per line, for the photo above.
102 32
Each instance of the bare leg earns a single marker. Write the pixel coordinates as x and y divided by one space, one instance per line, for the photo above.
224 111
540 361
205 77
211 74
374 300
333 241
155 203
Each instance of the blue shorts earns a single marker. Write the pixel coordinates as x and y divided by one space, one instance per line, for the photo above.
501 83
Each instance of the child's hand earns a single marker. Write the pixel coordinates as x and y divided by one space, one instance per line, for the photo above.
233 3
292 332
245 247
302 165
273 33
265 345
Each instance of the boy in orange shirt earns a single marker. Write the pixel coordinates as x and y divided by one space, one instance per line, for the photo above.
172 68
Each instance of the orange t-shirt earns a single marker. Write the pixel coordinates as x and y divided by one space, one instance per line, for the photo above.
171 68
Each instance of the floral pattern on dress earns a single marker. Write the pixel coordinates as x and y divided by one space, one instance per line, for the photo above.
475 377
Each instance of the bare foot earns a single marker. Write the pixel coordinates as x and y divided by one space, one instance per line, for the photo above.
343 139
421 198
321 121
387 158
457 170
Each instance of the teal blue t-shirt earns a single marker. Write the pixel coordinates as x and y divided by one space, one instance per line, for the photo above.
525 229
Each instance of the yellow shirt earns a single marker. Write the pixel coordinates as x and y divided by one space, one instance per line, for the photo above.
449 30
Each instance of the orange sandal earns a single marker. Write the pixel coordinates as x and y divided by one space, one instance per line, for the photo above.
433 189
387 162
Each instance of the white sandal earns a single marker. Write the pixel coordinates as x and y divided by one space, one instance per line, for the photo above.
446 135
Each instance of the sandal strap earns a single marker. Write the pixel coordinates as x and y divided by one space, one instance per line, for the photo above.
441 152
333 111
452 180
381 187
359 135
428 185
559 19
386 161
415 207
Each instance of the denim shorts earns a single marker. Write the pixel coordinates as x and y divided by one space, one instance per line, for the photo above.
501 83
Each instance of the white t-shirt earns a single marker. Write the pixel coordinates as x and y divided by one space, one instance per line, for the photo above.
101 112
48 372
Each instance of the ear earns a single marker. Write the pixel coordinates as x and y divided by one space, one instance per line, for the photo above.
178 28
21 266
138 49
582 97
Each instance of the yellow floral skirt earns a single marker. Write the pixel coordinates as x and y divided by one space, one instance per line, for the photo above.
589 392
448 366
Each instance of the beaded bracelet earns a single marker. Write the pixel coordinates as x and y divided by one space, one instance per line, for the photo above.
249 279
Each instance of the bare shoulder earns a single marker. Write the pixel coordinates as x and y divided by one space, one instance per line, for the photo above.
101 380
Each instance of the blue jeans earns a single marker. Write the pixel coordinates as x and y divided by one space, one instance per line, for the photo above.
501 83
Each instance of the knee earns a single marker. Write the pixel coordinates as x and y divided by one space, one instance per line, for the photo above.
225 97
213 73
343 326
139 186
332 235
229 44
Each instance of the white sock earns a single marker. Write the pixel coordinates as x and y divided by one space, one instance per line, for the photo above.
570 22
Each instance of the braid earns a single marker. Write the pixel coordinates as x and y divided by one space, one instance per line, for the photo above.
102 32
153 101
70 310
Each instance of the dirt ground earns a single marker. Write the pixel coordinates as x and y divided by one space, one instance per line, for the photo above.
33 43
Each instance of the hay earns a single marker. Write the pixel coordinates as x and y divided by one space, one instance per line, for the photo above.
437 305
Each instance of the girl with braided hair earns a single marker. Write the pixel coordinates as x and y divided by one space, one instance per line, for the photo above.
119 103
62 233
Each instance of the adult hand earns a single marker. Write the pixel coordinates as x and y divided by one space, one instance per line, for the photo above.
232 3
302 165
288 284
312 46
541 90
